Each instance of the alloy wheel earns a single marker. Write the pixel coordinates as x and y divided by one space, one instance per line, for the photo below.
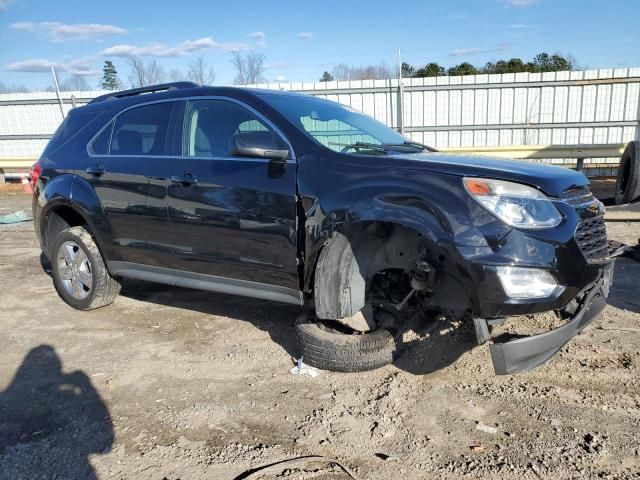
74 270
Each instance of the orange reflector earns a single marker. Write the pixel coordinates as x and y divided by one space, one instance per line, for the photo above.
477 187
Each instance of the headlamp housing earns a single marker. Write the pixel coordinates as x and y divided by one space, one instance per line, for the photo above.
515 204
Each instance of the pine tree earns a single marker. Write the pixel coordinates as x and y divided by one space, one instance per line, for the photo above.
110 76
326 77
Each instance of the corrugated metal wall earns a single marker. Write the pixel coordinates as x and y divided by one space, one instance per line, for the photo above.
581 107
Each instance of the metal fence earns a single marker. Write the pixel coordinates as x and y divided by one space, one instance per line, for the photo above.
556 108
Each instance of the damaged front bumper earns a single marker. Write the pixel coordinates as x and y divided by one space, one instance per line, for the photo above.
522 354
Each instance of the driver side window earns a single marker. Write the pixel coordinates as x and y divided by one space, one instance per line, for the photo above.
210 126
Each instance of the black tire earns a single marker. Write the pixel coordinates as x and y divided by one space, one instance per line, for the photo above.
628 181
329 349
103 288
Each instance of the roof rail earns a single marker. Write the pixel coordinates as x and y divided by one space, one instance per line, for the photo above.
150 89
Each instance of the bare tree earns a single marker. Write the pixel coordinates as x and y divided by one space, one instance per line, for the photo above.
74 83
144 73
367 72
12 88
249 67
176 75
201 72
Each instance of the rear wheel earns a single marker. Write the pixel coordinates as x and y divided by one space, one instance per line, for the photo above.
80 275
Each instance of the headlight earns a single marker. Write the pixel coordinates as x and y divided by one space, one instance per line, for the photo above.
515 204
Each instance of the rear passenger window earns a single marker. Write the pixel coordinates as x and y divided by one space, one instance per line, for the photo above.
100 145
210 125
142 130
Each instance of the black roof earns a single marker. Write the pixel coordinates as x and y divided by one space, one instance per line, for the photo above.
170 90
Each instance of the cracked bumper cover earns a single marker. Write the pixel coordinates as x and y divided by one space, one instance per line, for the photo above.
525 353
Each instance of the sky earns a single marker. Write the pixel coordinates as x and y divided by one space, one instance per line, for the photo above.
301 39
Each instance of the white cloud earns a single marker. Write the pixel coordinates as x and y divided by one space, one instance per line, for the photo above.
4 4
281 78
75 67
461 52
179 50
260 38
519 3
306 36
518 25
58 32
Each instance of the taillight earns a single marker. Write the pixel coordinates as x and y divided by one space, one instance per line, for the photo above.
34 173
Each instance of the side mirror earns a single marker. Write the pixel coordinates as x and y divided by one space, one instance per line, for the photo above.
258 145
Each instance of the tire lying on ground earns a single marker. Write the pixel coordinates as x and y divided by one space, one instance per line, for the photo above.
337 350
628 181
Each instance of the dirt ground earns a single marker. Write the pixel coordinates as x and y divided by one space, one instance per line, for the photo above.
170 383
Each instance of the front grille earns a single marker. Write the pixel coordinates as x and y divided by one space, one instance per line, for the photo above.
591 237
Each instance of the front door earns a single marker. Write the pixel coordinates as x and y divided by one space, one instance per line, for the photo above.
231 216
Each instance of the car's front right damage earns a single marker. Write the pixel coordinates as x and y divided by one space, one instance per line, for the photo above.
543 249
565 269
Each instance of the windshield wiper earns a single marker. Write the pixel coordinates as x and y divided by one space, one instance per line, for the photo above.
411 145
375 147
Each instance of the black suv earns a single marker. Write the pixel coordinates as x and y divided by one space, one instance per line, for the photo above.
297 199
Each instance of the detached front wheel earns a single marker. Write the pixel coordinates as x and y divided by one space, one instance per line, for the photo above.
79 272
330 346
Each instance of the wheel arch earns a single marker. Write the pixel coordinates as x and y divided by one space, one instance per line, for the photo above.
409 213
357 251
78 207
413 225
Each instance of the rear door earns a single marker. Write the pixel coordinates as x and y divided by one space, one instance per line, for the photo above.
232 217
129 159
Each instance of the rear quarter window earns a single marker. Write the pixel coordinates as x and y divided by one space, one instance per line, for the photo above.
100 145
73 124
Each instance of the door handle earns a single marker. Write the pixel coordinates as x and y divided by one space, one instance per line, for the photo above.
186 179
96 170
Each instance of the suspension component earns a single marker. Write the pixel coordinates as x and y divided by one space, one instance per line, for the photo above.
421 281
423 276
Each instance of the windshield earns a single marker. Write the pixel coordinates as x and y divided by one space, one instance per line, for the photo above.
335 126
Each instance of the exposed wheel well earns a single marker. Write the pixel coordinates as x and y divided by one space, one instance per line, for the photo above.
405 237
375 247
354 255
59 219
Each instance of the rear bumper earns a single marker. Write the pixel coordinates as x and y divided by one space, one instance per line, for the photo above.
523 354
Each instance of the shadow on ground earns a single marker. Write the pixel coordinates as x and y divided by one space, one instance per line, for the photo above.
51 421
438 344
277 319
624 290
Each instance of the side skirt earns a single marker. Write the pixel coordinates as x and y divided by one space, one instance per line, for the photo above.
200 281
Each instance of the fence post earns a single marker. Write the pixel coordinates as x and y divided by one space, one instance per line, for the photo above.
400 96
55 83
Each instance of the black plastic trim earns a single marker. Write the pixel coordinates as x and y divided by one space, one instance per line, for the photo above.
210 283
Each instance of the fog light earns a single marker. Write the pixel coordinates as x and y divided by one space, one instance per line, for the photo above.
527 282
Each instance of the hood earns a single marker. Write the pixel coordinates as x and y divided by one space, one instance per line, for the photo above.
550 179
